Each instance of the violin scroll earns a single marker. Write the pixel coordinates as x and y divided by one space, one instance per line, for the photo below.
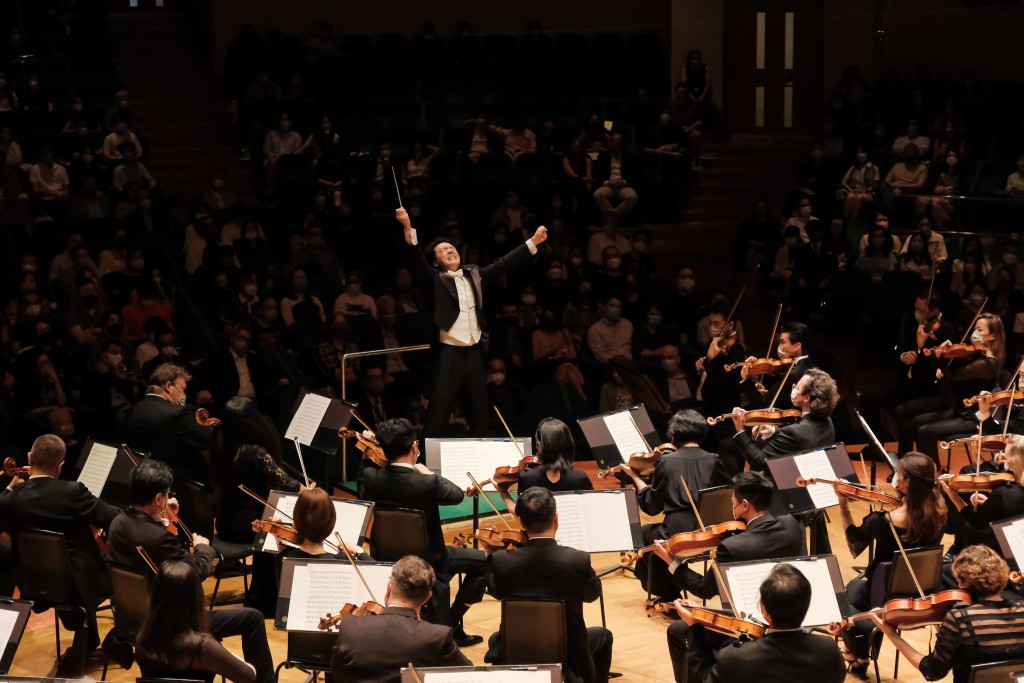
11 469
203 418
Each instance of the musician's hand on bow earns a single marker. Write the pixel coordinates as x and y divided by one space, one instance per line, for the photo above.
172 505
199 540
978 499
999 458
403 217
738 418
369 436
908 357
682 609
762 431
540 236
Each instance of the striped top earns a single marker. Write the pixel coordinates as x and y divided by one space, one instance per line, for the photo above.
987 631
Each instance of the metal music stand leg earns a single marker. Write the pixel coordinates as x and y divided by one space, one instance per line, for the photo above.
476 518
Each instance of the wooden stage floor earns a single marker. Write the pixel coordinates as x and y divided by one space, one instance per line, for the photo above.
640 652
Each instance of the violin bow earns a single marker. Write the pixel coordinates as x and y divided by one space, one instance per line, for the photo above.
732 311
643 438
352 561
722 587
910 567
249 493
781 384
131 454
970 328
696 512
399 194
302 463
505 424
759 384
147 559
488 499
413 671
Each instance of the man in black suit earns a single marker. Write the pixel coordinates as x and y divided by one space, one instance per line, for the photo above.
766 537
786 653
162 426
408 484
142 525
375 650
544 570
792 338
238 371
700 470
44 502
459 349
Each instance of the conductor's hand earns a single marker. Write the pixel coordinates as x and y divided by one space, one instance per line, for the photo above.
539 236
403 217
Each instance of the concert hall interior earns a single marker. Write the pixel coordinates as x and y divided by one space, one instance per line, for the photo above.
443 324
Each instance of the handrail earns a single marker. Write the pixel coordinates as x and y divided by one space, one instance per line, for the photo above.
344 368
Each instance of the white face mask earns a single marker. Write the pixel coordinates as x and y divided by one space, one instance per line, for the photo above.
793 394
782 353
977 337
498 378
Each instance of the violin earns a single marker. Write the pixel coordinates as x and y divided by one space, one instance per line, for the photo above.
203 418
734 627
642 464
1016 577
507 475
349 610
999 398
762 366
972 483
492 537
692 542
12 470
728 336
990 443
280 530
854 491
767 416
370 448
907 613
955 350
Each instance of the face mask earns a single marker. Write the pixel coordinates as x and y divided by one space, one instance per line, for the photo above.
403 283
555 273
977 337
654 319
497 378
793 393
977 299
90 301
613 263
1010 259
613 313
300 283
639 247
686 283
114 359
782 354
670 364
576 260
529 299
33 310
715 330
250 290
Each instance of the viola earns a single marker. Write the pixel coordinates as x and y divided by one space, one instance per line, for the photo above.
762 366
203 418
735 627
955 350
370 448
280 530
767 416
492 537
642 464
728 337
853 491
349 610
507 476
972 483
990 443
907 613
692 542
11 469
998 398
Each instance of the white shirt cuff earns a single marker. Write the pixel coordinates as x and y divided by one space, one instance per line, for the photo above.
674 566
531 246
410 237
982 416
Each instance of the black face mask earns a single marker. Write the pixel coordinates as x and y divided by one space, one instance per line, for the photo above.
90 301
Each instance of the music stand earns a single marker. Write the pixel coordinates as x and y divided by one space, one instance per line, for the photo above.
315 423
335 583
612 436
106 471
14 616
533 673
352 519
832 462
1010 536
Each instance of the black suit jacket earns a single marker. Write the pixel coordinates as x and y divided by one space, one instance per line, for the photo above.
404 487
170 433
135 528
780 657
446 297
602 168
666 494
544 570
66 507
375 650
766 538
807 433
218 374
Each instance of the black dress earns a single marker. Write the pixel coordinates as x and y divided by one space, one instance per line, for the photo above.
257 471
573 480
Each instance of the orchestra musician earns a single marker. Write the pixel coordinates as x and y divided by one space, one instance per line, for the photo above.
791 345
458 363
919 520
44 502
718 390
141 525
917 380
990 629
162 426
930 419
544 570
700 469
374 649
786 653
557 451
408 484
174 641
314 516
766 537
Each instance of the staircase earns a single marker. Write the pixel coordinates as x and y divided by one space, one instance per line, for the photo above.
177 102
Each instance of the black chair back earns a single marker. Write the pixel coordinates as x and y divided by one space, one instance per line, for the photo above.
130 601
715 505
311 649
196 507
927 565
533 632
398 532
997 672
45 567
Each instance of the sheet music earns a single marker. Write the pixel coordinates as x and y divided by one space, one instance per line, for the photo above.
594 522
625 434
350 519
745 583
8 620
492 676
97 468
1015 539
816 465
307 418
320 588
478 456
